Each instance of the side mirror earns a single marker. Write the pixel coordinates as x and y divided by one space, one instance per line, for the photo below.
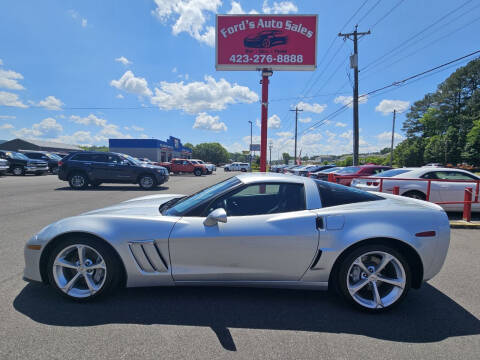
216 216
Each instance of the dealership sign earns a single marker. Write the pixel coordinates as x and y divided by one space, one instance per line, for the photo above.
275 42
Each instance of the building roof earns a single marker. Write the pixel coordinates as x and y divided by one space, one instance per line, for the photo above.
51 144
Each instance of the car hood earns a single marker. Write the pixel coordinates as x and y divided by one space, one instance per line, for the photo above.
141 206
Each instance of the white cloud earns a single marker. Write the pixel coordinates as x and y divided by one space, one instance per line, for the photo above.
387 106
284 134
137 128
386 136
201 96
209 122
189 16
47 128
123 60
76 16
273 122
347 134
89 120
11 99
6 126
9 80
174 70
237 9
51 103
119 96
1 62
348 100
84 22
281 7
305 120
340 124
135 85
315 108
144 136
4 117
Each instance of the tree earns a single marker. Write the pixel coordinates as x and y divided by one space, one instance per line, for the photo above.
211 152
286 157
472 146
189 145
95 148
409 152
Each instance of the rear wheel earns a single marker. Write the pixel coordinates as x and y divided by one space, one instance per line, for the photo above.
244 170
415 195
78 181
197 172
18 171
374 278
83 268
147 182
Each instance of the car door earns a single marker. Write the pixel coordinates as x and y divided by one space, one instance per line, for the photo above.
436 187
455 191
269 236
119 169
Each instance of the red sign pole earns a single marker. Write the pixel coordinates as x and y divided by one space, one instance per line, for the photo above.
263 141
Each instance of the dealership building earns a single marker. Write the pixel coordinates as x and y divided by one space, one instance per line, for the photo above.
153 149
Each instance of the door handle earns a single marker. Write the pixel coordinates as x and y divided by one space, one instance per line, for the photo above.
319 222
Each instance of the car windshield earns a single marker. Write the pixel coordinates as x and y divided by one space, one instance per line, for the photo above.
349 170
16 155
390 173
54 156
132 159
193 200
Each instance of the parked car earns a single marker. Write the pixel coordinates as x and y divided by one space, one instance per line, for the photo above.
19 164
249 230
311 169
3 166
323 174
290 168
185 166
94 168
439 191
51 158
346 175
210 167
237 166
277 168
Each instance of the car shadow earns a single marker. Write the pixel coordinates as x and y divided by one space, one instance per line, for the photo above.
113 188
427 315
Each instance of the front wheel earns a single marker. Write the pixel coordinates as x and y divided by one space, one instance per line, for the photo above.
374 278
415 195
18 171
147 182
78 181
82 268
197 172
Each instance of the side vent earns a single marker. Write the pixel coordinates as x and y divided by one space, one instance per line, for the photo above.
148 257
317 258
320 224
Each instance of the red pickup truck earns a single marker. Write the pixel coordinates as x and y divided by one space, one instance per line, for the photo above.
184 166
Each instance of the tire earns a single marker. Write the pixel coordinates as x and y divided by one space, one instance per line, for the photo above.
266 43
63 265
197 172
18 171
225 169
414 194
78 181
147 182
357 285
244 170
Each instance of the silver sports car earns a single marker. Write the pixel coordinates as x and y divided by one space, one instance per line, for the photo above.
268 230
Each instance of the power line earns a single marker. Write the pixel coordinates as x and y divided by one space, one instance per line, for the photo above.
394 84
369 11
386 14
398 47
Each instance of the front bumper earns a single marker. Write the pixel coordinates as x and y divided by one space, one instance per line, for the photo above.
32 260
162 178
4 167
29 169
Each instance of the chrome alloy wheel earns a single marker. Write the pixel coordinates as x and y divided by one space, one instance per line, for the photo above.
146 181
17 171
376 280
78 181
79 271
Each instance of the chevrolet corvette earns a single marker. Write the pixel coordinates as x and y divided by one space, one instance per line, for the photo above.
264 230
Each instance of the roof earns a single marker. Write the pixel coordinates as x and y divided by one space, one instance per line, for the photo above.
51 144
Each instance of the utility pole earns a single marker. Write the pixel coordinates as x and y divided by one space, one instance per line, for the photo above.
393 137
270 145
251 138
354 64
296 122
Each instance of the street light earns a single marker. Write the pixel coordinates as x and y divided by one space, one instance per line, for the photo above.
251 138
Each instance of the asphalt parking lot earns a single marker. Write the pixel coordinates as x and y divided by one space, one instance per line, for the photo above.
439 321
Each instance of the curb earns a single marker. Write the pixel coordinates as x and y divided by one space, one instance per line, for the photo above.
461 224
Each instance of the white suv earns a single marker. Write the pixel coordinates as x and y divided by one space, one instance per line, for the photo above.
237 166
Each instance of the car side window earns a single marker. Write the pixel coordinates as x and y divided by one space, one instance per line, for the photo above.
99 157
454 175
261 199
82 157
113 159
178 162
430 175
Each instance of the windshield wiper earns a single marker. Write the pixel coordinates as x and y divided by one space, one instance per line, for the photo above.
166 205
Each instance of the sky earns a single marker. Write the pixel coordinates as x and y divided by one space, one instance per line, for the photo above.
82 72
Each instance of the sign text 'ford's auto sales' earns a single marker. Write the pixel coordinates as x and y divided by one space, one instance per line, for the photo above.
276 42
